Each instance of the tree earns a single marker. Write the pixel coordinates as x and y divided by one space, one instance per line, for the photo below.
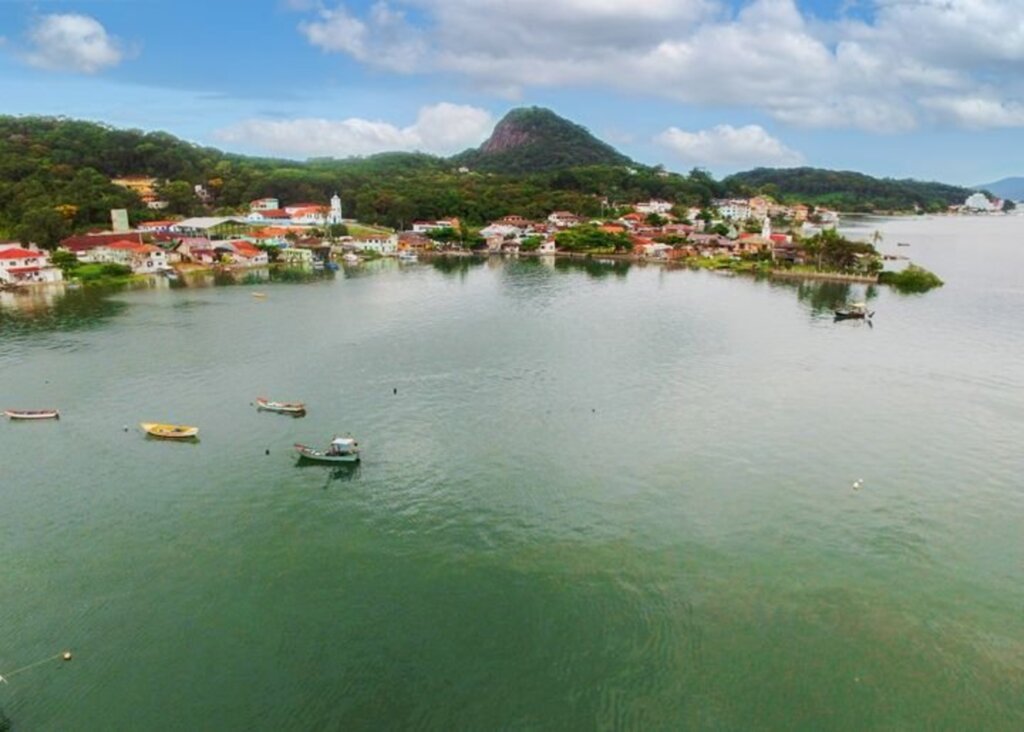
44 227
67 261
180 197
337 230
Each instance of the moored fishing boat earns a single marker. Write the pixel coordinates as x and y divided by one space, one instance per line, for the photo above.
29 414
341 450
170 431
856 311
294 408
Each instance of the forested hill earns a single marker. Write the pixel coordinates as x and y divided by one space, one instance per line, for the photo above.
533 139
845 190
55 179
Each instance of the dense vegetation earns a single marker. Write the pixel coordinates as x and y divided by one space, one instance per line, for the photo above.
532 140
913 279
55 179
845 190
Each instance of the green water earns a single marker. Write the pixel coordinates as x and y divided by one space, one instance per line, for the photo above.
612 498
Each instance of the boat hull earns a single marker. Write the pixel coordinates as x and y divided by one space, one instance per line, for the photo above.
295 409
29 415
319 456
170 431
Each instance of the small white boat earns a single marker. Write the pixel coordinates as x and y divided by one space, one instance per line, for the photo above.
295 408
28 414
350 258
341 450
407 256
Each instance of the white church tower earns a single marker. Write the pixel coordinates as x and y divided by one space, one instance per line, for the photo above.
766 229
334 217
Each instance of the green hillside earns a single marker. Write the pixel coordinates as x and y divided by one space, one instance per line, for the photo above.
533 139
845 190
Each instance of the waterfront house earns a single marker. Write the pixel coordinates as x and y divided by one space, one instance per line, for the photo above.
411 241
295 256
25 266
241 252
141 258
386 244
197 250
82 245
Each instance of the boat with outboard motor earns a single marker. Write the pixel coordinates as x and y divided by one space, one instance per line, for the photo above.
340 450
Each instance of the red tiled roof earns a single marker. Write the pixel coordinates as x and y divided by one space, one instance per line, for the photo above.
84 243
23 270
18 253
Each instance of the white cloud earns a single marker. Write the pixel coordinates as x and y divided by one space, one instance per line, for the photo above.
72 43
877 74
383 39
728 146
978 112
442 129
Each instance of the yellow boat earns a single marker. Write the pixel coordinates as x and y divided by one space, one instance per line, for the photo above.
170 431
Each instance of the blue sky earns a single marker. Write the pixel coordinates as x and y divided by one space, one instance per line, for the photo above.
920 88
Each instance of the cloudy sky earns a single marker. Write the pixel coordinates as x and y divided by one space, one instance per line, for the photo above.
923 88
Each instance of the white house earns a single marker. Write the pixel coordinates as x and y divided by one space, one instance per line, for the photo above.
425 227
142 258
733 209
380 243
654 206
564 219
265 204
308 215
502 230
19 266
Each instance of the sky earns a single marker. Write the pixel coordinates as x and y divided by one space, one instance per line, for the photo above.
930 89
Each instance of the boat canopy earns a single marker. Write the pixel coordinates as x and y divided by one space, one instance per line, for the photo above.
343 442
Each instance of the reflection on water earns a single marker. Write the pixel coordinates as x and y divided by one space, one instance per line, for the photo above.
596 268
824 296
624 502
456 266
56 307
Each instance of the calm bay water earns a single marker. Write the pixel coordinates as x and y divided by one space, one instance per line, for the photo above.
602 497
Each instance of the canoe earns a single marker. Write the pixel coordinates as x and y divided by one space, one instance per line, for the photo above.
32 414
294 408
343 450
170 431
